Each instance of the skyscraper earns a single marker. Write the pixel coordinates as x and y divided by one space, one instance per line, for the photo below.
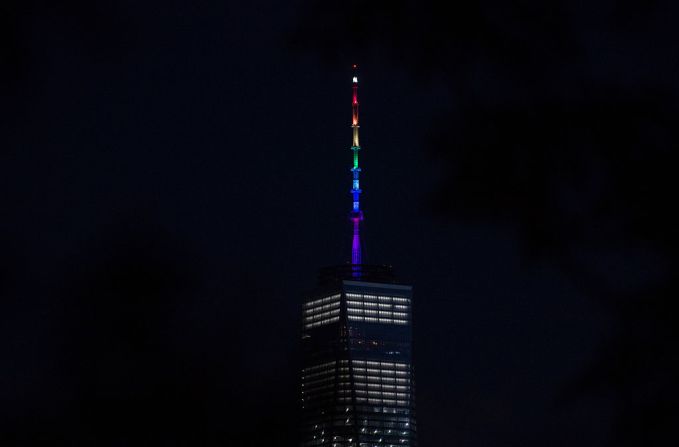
357 387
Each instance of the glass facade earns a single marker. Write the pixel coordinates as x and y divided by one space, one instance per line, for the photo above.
358 386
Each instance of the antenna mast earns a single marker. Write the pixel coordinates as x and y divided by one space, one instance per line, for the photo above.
356 215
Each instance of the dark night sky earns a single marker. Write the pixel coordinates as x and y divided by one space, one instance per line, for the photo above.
175 173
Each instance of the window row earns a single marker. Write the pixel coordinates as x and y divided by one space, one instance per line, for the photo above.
359 387
327 372
356 363
393 402
381 371
382 379
321 316
316 388
386 387
373 420
328 391
311 381
324 300
317 309
376 409
383 406
382 394
381 306
383 365
321 322
386 383
380 313
320 366
379 298
377 320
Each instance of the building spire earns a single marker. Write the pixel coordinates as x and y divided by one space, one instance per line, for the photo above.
356 215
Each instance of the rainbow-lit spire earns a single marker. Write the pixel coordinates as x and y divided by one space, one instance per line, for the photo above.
356 214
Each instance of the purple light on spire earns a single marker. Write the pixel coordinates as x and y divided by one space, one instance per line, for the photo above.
356 242
356 248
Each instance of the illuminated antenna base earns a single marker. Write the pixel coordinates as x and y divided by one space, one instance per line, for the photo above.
356 260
